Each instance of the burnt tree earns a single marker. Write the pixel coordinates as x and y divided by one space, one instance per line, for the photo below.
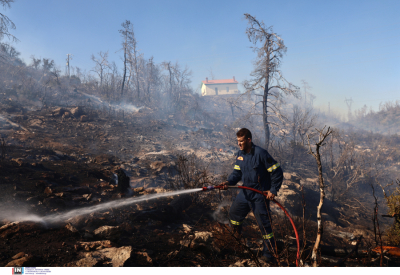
321 138
5 23
123 181
266 75
130 51
101 65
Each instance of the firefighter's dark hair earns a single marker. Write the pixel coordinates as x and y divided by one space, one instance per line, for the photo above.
244 132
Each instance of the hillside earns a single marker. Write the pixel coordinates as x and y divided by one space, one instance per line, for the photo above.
385 121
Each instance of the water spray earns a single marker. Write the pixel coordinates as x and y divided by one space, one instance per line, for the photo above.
64 216
221 187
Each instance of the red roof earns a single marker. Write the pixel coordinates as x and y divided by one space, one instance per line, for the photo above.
220 81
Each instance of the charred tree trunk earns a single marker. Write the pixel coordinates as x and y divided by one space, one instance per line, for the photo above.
266 70
265 121
376 225
317 156
137 78
170 79
321 202
123 181
265 105
150 79
124 76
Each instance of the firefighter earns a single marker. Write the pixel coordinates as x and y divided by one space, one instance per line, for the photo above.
256 169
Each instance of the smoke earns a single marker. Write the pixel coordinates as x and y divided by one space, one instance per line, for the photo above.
4 121
219 215
18 216
129 108
204 145
92 97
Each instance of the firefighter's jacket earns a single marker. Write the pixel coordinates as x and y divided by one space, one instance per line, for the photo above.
257 170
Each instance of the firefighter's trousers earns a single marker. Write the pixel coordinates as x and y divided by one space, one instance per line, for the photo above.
242 205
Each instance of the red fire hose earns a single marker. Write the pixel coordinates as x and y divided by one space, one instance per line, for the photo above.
284 210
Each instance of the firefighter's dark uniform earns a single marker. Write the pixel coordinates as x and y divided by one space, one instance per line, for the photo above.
257 170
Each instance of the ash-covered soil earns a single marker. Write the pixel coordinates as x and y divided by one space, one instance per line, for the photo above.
59 159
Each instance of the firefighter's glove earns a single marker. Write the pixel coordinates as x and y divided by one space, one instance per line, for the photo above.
269 195
224 186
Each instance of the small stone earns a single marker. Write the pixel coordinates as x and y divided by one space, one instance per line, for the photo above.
71 228
185 243
186 228
173 253
138 190
96 245
203 237
157 165
77 111
24 261
115 257
171 241
86 262
84 118
19 255
87 196
58 111
18 262
145 259
66 115
48 190
107 231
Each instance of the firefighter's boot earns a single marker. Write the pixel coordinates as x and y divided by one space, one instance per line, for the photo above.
237 231
268 251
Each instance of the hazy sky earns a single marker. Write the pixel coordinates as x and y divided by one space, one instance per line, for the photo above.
341 48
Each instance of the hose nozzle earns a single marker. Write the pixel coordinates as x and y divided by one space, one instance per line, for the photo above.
206 188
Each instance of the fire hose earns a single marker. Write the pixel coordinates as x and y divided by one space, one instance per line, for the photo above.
206 188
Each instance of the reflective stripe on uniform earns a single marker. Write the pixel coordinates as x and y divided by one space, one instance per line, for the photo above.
237 167
273 167
235 222
269 236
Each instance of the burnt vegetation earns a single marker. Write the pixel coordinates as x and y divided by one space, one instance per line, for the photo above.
66 139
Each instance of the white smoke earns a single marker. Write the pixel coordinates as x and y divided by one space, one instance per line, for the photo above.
129 108
220 214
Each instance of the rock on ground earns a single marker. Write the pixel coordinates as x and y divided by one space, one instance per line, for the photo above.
26 260
95 245
144 259
111 256
107 231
